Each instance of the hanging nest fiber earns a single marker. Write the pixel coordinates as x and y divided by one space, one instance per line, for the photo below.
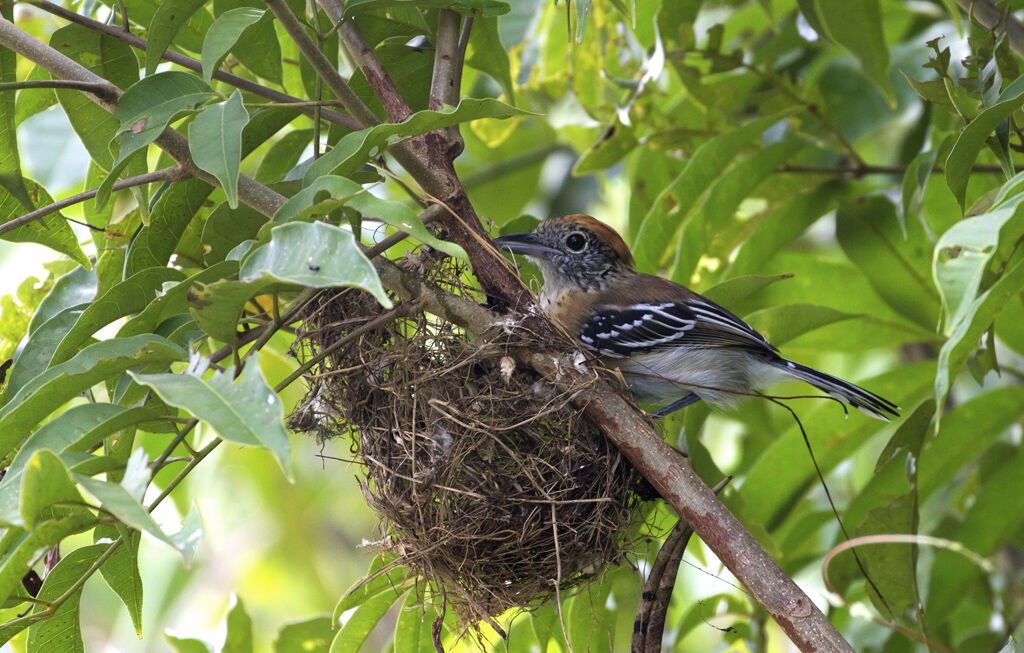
489 484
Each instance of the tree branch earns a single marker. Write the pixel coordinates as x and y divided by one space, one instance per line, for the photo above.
447 76
255 194
194 65
365 57
97 89
858 171
998 19
630 431
166 174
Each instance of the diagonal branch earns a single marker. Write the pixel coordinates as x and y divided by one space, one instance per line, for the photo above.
255 194
173 173
365 57
194 65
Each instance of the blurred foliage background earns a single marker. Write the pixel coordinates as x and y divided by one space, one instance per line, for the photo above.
841 175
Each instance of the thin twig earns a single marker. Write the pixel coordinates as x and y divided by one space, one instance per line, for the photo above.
173 173
91 87
856 172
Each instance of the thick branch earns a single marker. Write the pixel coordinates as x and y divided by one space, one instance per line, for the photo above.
365 57
194 65
447 75
661 465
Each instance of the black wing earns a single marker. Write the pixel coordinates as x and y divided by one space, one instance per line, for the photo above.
641 328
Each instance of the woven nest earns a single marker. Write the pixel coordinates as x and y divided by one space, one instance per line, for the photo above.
489 484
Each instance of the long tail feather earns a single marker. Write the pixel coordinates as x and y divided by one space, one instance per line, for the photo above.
867 402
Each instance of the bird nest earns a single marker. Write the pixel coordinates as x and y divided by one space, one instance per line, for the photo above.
489 484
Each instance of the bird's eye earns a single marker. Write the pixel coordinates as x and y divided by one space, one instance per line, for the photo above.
575 242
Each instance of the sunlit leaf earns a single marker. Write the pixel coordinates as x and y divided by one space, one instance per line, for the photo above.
121 572
215 141
224 34
246 411
62 631
239 623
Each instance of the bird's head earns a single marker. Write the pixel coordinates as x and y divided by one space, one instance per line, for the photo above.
573 251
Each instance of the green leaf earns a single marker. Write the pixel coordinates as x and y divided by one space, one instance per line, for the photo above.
218 306
145 110
174 300
488 54
355 149
354 7
11 178
186 644
62 631
74 288
35 355
964 252
246 412
730 293
898 267
259 50
783 470
46 482
223 35
977 319
345 192
915 181
661 222
239 636
170 16
225 228
780 324
108 57
355 631
154 245
215 141
965 151
614 144
118 501
316 255
312 635
121 571
722 200
857 26
413 632
391 582
51 230
892 567
130 296
48 391
16 563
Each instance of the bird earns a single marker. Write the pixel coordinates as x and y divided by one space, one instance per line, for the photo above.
673 346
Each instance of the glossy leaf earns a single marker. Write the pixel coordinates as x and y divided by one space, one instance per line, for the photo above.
46 482
316 255
897 267
246 411
963 255
48 391
130 296
707 163
118 501
977 318
312 635
145 110
121 572
239 635
357 148
170 16
51 230
345 192
350 637
215 141
965 151
857 26
224 34
62 631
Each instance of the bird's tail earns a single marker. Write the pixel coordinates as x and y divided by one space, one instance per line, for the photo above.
866 402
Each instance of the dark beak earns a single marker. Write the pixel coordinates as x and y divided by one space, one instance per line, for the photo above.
526 244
